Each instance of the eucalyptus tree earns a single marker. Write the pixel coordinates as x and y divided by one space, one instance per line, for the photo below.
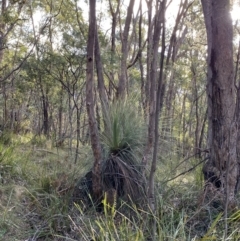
94 135
10 20
122 76
222 168
114 8
23 39
164 61
237 84
10 17
185 100
68 74
60 56
71 74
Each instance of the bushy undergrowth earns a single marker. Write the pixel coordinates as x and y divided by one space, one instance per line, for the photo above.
36 191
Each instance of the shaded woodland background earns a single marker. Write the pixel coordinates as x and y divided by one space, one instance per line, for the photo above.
143 83
43 70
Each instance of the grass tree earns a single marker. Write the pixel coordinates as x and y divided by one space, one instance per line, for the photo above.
122 141
120 177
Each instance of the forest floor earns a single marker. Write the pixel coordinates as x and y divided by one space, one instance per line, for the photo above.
37 182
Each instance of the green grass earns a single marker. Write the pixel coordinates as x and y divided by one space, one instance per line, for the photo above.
36 186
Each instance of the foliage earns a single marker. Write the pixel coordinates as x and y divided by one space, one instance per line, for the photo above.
42 85
6 138
36 189
125 130
123 139
120 171
37 192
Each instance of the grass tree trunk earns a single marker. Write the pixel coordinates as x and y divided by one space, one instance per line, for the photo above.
95 142
221 97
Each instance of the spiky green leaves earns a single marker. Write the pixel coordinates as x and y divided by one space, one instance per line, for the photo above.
124 133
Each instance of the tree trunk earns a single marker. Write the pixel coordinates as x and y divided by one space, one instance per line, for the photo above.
78 134
153 84
113 44
2 30
90 102
123 71
45 110
60 137
238 116
2 42
140 61
221 98
157 105
149 57
101 86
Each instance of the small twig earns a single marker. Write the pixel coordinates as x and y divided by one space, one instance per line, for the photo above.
189 157
189 170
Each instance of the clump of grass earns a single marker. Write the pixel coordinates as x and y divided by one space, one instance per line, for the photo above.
132 224
6 161
38 187
125 129
47 214
6 138
39 140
